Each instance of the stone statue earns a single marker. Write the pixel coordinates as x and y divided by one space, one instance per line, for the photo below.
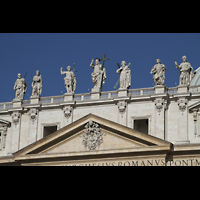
159 72
186 71
70 80
98 76
125 76
20 87
37 84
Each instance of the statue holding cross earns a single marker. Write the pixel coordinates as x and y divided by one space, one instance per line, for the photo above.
99 74
125 75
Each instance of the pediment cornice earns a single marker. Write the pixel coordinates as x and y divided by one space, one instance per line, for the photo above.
119 135
195 106
4 123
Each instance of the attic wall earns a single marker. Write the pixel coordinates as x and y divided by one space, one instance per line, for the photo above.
31 131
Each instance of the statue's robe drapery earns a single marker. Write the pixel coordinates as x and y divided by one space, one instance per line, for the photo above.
98 77
159 73
70 82
125 77
37 87
20 86
186 71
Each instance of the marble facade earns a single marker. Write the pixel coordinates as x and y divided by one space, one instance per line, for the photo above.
127 127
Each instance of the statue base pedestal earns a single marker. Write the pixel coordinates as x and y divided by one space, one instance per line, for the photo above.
95 95
122 92
68 96
17 103
160 89
183 88
34 99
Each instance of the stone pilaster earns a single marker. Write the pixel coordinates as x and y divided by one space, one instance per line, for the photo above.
33 125
160 107
68 114
198 123
33 114
182 120
196 118
122 114
16 126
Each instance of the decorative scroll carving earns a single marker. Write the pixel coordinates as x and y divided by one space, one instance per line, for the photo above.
67 111
182 103
159 103
92 136
15 117
122 106
33 114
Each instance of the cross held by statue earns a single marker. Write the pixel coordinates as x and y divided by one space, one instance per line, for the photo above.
103 60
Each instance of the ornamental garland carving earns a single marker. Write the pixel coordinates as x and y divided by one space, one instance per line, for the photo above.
33 113
122 106
92 136
67 111
182 103
15 117
159 103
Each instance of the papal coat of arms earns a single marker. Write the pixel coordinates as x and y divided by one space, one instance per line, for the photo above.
92 136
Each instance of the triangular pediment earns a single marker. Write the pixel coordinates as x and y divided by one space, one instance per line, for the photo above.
76 138
4 122
194 106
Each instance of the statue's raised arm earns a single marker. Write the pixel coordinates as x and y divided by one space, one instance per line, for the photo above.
186 72
70 80
177 66
61 71
91 64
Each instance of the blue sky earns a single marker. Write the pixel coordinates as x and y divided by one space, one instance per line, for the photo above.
48 52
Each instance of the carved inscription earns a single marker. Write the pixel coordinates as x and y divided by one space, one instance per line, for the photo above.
148 162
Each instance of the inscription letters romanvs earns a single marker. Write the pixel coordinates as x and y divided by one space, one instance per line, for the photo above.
159 162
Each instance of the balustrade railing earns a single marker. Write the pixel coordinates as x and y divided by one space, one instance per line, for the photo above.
172 91
104 95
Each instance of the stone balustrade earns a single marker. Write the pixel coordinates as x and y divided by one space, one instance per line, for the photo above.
104 95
